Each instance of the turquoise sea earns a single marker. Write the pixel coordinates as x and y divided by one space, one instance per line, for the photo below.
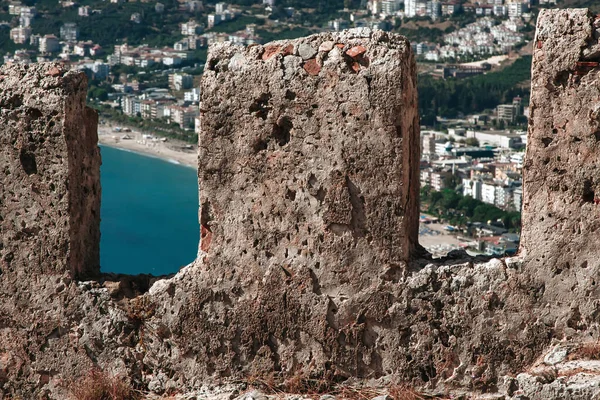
149 214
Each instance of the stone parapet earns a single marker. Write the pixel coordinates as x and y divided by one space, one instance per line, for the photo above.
49 169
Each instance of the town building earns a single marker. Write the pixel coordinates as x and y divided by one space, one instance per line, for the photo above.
49 44
181 81
84 11
472 187
69 31
191 28
136 18
221 7
20 35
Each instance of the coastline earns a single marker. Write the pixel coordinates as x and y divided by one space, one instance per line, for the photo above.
172 150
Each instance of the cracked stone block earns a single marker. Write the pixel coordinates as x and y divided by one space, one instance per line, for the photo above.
49 172
310 159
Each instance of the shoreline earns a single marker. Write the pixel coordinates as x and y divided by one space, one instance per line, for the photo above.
171 150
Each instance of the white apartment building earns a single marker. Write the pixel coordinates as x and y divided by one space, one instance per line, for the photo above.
488 193
20 35
190 28
410 8
428 145
192 95
131 105
473 188
213 19
49 44
390 7
496 138
181 81
516 10
503 196
100 69
69 31
220 7
84 11
518 198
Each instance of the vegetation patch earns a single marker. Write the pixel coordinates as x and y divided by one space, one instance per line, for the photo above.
97 385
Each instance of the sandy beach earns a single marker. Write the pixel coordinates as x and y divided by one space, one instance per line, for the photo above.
170 150
436 239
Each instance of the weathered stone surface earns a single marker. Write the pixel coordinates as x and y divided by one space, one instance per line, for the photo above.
307 265
49 219
49 163
561 199
318 168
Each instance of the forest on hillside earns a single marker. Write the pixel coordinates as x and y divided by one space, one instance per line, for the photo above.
450 97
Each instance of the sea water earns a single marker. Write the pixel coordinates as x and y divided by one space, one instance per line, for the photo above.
149 214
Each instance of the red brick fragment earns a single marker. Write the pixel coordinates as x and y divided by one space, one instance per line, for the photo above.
356 51
539 44
53 72
312 67
355 67
270 51
340 45
205 238
288 50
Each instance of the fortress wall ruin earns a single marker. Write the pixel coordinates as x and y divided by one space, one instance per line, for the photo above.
308 264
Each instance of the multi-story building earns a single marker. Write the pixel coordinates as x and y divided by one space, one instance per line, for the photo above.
488 193
84 11
506 112
191 28
192 95
69 31
338 24
194 6
100 70
434 9
20 35
184 116
181 81
496 138
49 44
213 20
472 187
517 9
503 196
410 8
390 7
428 145
220 7
82 48
518 198
131 105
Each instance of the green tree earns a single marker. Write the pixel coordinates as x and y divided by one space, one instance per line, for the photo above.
472 142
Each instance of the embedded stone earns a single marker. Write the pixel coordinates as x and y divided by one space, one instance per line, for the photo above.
270 51
312 67
356 51
326 46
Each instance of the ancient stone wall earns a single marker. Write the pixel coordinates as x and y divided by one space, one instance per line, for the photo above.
561 196
49 161
310 156
308 267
